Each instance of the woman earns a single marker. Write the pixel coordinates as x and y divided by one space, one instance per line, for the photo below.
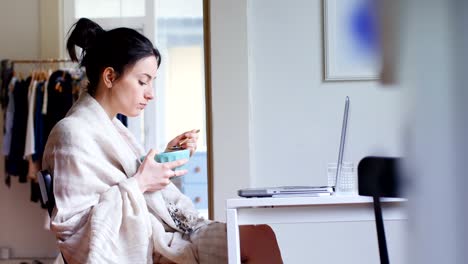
109 207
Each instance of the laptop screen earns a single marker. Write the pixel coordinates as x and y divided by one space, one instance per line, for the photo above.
344 127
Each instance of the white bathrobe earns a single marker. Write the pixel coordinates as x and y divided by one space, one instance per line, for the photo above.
101 216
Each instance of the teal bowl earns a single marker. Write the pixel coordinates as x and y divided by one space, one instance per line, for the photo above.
172 156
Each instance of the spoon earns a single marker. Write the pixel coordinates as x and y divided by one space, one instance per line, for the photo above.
179 146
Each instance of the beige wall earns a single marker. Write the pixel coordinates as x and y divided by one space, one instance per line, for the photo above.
19 29
51 29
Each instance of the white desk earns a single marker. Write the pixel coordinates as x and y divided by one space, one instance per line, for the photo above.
336 208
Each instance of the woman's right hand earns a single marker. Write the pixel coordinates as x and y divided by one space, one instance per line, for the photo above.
153 176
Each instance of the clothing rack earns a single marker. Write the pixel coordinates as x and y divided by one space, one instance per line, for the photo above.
41 61
37 62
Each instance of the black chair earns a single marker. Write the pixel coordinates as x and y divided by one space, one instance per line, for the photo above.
378 177
47 190
46 186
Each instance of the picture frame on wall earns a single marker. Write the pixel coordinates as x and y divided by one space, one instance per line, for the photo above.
351 40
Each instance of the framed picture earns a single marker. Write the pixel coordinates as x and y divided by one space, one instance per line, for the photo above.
351 41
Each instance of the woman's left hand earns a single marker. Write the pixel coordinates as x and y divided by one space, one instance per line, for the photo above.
186 140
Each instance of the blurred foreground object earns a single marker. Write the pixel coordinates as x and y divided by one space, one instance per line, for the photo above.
434 65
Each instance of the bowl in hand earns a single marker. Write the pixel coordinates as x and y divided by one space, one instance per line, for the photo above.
173 156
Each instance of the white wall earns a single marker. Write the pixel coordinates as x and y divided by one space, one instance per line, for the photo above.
22 222
280 124
296 116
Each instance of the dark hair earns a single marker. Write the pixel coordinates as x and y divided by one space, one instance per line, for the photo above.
118 48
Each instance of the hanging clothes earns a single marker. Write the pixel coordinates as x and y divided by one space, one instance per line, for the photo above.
29 145
59 99
39 144
33 106
6 75
39 136
15 164
10 111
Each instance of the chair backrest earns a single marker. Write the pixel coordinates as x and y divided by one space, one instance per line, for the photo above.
47 190
378 176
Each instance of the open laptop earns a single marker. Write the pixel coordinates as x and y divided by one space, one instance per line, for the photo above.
291 191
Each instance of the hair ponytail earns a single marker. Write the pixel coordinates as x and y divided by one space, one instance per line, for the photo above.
83 34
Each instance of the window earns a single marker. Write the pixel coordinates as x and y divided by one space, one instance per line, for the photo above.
109 8
176 29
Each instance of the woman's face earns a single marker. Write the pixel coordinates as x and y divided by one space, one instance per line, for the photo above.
134 89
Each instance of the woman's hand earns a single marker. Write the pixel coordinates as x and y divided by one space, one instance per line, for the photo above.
187 140
153 176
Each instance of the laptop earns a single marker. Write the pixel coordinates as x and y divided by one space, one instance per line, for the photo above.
301 191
